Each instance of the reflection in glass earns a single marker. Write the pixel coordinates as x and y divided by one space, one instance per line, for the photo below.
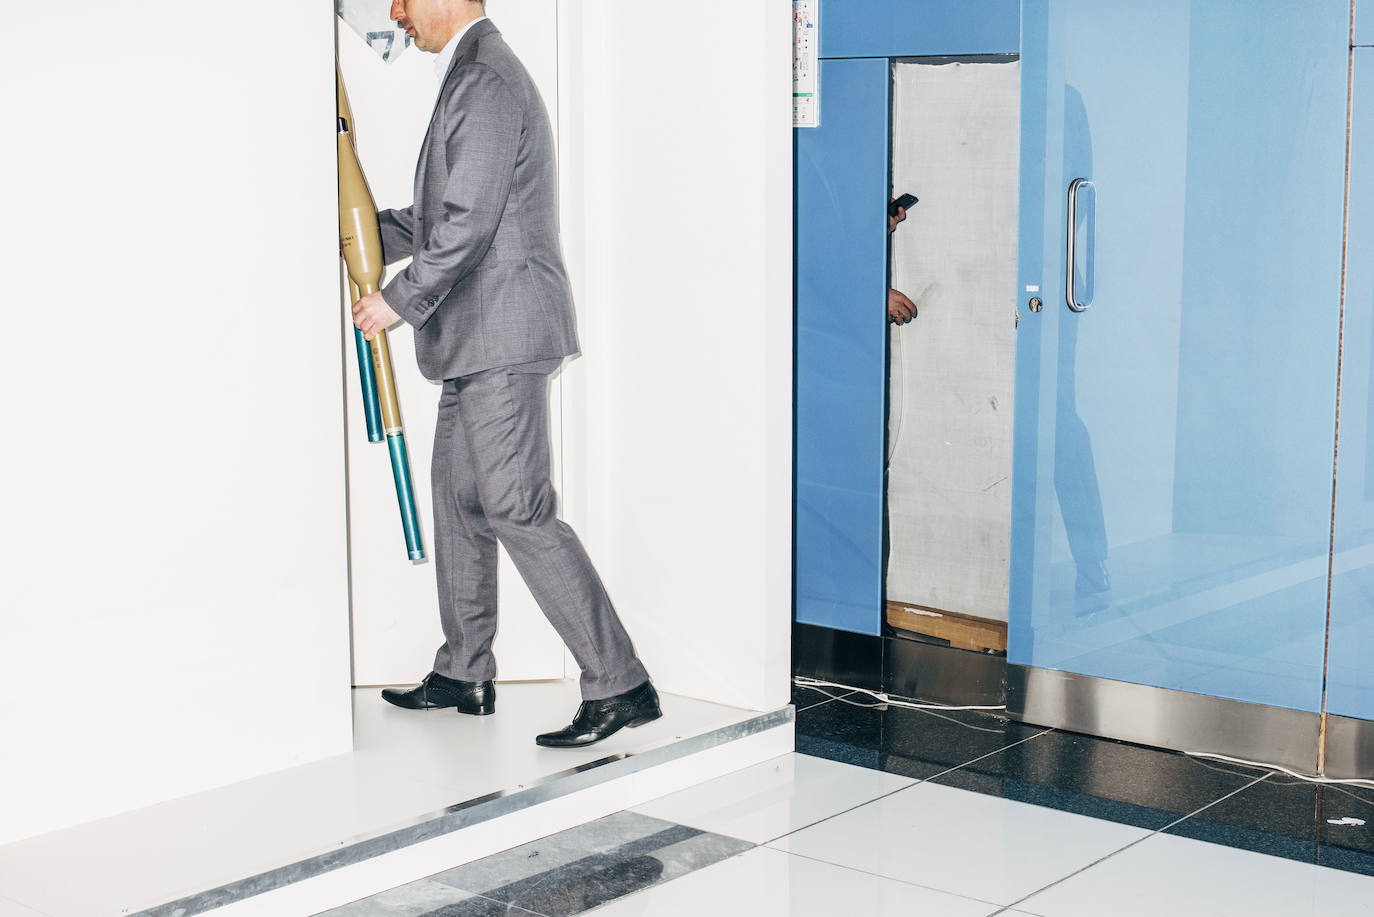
1075 472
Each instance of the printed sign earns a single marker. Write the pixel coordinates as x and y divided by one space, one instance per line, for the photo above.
806 76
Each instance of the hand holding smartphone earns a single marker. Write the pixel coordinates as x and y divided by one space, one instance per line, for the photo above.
902 203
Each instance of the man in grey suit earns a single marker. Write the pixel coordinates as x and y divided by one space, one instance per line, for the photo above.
489 300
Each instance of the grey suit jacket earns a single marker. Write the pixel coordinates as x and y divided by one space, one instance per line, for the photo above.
486 286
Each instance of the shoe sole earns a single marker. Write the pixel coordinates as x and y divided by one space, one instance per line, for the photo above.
402 706
486 710
647 718
633 724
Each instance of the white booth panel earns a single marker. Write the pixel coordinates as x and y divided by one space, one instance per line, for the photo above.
395 606
678 436
175 558
173 551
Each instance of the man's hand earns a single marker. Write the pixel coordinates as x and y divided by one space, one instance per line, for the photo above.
371 314
893 221
900 310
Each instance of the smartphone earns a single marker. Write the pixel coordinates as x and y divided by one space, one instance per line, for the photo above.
905 201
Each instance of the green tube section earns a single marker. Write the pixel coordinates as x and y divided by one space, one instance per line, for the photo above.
405 495
372 408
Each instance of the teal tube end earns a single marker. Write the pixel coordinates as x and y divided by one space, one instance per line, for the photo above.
405 495
372 409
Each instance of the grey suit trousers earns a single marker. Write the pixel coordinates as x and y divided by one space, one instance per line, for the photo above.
490 478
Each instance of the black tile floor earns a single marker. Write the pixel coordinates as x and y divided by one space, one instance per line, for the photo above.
1248 808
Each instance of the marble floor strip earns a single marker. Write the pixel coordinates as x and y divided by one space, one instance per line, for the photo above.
561 875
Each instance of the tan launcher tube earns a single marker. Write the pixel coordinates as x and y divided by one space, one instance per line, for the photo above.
361 241
362 251
367 374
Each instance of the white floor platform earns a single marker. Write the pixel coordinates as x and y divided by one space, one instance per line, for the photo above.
421 788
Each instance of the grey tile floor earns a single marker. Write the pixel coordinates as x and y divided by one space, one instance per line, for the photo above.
899 812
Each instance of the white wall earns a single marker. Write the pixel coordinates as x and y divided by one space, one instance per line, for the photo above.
678 225
395 608
173 555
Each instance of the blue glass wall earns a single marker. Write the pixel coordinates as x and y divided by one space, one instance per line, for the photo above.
1350 677
841 339
910 28
1172 498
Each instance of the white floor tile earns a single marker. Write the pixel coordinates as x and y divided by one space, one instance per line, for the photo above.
769 883
407 764
164 852
775 798
10 908
962 842
1178 875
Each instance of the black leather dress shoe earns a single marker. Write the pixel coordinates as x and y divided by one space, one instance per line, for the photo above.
599 719
475 697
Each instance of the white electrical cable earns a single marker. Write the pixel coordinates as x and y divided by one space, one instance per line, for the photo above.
804 682
1310 778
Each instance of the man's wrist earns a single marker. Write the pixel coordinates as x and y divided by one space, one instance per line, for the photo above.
414 308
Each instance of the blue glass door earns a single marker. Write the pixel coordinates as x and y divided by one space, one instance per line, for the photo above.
1175 401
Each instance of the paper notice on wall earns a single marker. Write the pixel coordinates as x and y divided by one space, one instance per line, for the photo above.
806 77
370 19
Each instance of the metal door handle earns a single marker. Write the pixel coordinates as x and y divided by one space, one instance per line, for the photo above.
1079 297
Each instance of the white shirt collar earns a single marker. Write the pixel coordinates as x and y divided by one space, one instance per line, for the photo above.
446 55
